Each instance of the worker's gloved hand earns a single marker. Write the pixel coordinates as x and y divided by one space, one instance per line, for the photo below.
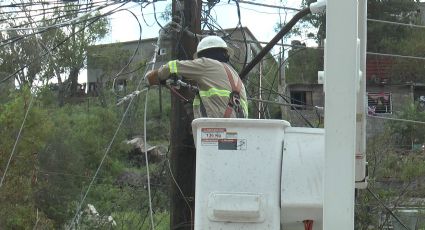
151 78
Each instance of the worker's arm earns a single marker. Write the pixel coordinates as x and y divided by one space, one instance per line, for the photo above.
189 69
152 77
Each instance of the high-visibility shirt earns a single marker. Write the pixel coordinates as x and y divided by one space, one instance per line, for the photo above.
212 81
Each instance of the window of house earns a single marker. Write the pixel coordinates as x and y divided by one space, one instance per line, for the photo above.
92 87
379 102
301 98
121 85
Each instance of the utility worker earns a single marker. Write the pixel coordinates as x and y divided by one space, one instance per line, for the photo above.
221 91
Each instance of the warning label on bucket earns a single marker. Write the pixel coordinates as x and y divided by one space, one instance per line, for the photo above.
210 136
221 137
231 144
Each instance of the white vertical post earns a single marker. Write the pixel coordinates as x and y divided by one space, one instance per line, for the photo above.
361 101
342 79
260 89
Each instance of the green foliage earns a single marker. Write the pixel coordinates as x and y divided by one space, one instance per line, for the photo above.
303 65
396 173
55 53
17 209
108 58
408 133
269 88
381 34
59 152
404 69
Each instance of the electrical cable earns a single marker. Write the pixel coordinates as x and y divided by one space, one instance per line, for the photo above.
36 221
271 6
178 187
143 17
154 195
387 209
396 23
134 53
278 36
100 165
16 5
45 11
15 39
17 140
242 32
59 44
283 96
154 13
397 56
66 23
105 154
396 119
280 103
147 161
293 108
145 133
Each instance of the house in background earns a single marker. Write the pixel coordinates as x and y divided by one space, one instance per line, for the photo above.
383 96
101 75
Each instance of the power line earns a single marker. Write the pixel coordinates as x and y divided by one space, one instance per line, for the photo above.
284 104
62 42
386 208
53 8
397 119
271 6
105 154
397 56
396 23
95 18
70 22
17 139
45 20
146 158
101 162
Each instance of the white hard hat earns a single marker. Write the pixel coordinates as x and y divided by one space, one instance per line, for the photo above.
212 42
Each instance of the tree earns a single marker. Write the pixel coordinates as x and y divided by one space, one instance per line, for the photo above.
382 37
303 65
407 133
396 173
17 203
57 51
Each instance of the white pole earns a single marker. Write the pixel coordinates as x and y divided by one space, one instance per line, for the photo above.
260 104
342 74
361 101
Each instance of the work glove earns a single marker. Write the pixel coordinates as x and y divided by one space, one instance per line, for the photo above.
151 78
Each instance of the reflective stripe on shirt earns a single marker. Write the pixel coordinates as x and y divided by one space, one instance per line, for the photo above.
244 107
173 66
220 93
196 101
214 92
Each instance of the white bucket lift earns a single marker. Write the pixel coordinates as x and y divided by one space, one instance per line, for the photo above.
257 174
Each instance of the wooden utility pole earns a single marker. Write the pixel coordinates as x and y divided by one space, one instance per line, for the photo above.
183 152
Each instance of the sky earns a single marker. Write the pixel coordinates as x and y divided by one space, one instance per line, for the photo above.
259 20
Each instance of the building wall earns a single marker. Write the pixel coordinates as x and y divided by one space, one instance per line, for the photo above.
96 75
310 113
144 54
400 96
